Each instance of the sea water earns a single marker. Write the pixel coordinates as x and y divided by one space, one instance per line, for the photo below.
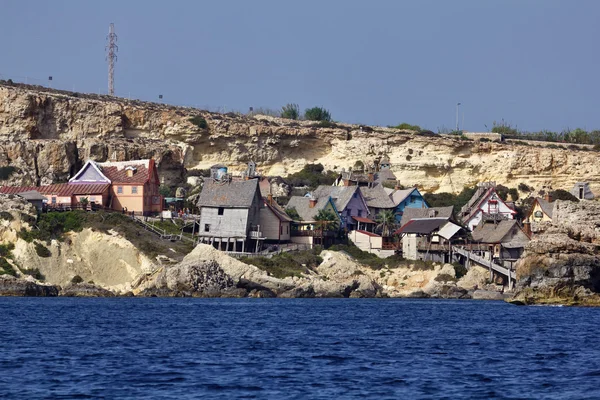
295 349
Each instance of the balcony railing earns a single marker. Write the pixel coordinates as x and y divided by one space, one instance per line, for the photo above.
389 246
255 235
313 233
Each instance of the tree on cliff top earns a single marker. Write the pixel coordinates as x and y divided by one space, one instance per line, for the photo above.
290 111
317 114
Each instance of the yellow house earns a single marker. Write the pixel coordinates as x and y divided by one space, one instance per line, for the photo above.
540 211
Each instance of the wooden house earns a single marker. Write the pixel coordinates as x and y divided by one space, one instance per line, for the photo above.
500 241
275 224
405 198
230 214
540 211
349 203
429 238
485 205
308 230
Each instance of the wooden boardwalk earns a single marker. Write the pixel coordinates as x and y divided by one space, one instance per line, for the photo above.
469 255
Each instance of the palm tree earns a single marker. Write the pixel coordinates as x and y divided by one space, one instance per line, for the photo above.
327 220
386 222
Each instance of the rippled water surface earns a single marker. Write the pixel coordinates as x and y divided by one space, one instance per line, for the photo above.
295 348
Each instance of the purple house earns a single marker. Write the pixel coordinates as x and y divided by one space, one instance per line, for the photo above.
349 202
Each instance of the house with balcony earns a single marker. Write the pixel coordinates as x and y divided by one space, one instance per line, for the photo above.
485 205
230 215
307 230
430 238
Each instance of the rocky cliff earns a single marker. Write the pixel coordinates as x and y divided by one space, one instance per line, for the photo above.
562 264
47 134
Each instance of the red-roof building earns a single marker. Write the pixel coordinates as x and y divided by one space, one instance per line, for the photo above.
123 186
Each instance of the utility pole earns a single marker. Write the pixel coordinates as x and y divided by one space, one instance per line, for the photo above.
457 106
111 57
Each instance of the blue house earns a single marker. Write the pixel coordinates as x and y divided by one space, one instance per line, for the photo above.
406 198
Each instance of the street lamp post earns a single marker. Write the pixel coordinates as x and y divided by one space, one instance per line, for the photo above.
457 106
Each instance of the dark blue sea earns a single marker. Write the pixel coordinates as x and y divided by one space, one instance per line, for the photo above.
64 348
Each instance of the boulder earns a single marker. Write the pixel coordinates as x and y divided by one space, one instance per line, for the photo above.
11 286
487 295
85 290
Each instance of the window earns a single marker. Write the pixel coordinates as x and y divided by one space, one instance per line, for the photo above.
206 227
221 210
355 195
119 189
54 200
349 211
134 190
281 229
287 229
360 213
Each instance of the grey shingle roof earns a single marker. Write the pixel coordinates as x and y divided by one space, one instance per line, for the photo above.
302 206
385 175
228 194
278 211
494 232
341 195
433 212
546 206
376 197
398 196
422 226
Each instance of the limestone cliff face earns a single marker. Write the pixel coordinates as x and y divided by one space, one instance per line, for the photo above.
47 134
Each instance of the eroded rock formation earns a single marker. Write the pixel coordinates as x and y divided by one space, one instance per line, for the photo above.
47 134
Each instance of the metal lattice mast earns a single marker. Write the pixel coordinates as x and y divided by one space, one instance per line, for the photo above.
111 57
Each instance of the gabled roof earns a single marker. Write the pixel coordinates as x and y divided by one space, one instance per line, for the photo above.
277 211
494 232
341 195
233 194
376 197
302 206
433 212
385 175
473 206
423 226
398 196
31 195
545 205
90 173
587 192
117 171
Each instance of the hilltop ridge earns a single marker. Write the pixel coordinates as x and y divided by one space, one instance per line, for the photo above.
46 135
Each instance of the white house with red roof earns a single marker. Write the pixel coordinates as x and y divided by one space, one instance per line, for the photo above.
485 204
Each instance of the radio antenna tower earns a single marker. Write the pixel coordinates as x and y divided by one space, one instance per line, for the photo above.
111 57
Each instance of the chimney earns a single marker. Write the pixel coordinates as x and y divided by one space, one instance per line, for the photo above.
270 199
548 197
312 202
527 228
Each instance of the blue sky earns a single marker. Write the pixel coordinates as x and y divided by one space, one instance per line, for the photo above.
533 63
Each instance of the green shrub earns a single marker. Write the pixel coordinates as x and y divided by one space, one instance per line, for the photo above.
312 175
42 251
28 218
6 250
35 272
292 213
561 194
524 188
6 172
450 199
53 225
199 122
459 269
287 264
76 279
514 194
408 127
317 114
445 278
6 268
165 191
408 157
6 216
290 111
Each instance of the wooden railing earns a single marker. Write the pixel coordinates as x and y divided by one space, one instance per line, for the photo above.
313 233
